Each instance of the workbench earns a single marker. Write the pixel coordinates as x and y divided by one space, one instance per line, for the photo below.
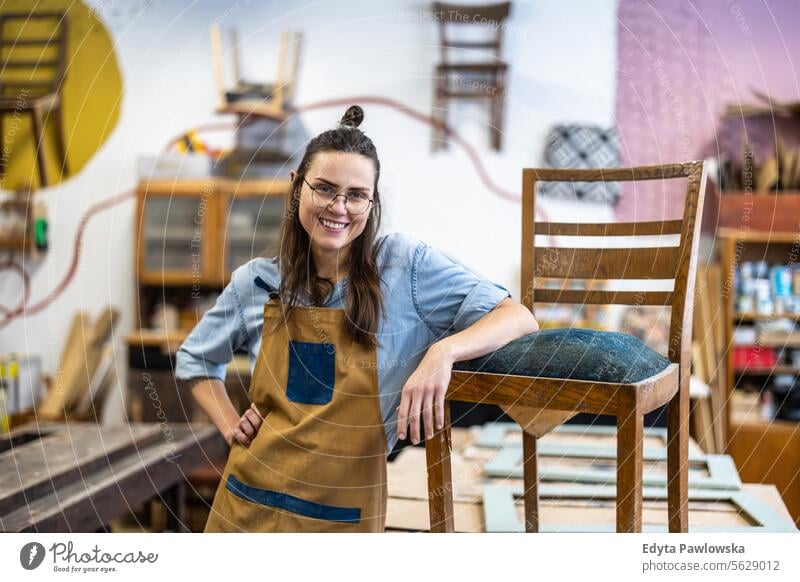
78 477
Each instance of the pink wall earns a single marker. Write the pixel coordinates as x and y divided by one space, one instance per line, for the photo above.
679 64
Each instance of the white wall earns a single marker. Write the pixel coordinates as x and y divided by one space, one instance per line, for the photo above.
562 58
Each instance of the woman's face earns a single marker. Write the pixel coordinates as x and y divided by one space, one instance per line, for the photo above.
333 228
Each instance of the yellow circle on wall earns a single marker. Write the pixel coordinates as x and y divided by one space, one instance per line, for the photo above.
90 94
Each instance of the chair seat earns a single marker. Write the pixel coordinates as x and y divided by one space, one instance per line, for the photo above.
575 354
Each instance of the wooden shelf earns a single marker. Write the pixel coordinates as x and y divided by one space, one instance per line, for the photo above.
14 244
156 338
765 212
767 371
762 317
776 237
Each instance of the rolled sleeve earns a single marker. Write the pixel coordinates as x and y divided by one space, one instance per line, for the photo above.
209 347
448 297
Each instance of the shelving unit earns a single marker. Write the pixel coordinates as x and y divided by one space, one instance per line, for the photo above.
765 450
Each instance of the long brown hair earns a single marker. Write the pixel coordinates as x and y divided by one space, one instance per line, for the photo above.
299 278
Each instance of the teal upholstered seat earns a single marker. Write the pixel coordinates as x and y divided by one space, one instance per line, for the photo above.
577 354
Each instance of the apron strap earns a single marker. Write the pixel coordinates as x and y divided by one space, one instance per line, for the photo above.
273 293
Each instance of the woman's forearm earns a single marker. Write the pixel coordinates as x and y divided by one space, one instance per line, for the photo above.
424 392
212 397
506 322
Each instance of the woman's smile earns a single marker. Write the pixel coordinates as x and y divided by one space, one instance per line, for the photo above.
333 226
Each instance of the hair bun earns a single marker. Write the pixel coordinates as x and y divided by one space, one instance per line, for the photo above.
353 117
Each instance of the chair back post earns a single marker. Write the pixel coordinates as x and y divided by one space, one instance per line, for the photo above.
528 252
680 351
680 342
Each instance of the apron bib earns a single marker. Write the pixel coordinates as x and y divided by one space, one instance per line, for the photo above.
318 462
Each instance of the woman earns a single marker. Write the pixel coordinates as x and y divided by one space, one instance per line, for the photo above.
352 336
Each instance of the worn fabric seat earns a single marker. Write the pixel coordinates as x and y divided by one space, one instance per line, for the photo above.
571 353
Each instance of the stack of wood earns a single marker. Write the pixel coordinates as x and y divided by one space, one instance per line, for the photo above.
779 172
86 370
577 489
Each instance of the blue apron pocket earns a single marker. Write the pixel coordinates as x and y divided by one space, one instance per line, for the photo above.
292 503
312 369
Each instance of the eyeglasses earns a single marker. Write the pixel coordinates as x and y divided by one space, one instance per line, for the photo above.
324 196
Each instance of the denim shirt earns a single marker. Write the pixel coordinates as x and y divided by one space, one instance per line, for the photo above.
426 296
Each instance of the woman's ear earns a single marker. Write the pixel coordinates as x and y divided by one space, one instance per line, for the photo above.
292 176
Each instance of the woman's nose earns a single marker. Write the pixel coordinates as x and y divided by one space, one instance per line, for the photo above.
339 205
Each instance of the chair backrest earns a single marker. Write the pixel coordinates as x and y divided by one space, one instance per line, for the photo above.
33 53
677 263
491 16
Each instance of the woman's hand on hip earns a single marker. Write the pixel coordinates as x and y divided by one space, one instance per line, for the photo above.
246 428
423 394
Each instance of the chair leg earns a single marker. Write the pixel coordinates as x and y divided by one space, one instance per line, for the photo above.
531 481
38 142
630 431
440 484
3 153
678 463
61 148
438 119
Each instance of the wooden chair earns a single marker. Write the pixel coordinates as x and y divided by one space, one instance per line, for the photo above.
270 100
31 76
628 402
483 78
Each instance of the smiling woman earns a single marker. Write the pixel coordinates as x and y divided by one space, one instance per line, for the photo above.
352 338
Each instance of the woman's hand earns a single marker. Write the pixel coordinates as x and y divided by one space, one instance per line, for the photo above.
423 394
246 428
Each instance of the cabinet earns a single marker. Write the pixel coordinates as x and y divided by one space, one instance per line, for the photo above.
197 232
190 236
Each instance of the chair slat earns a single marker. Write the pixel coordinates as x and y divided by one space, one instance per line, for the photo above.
605 263
587 297
29 42
31 64
609 174
656 227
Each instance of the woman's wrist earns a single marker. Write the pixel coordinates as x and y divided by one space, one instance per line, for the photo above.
444 351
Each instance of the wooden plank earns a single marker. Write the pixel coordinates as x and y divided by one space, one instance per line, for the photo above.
86 504
496 438
507 465
501 515
69 366
607 263
65 453
585 516
644 228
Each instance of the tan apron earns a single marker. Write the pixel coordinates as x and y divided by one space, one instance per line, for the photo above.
318 462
